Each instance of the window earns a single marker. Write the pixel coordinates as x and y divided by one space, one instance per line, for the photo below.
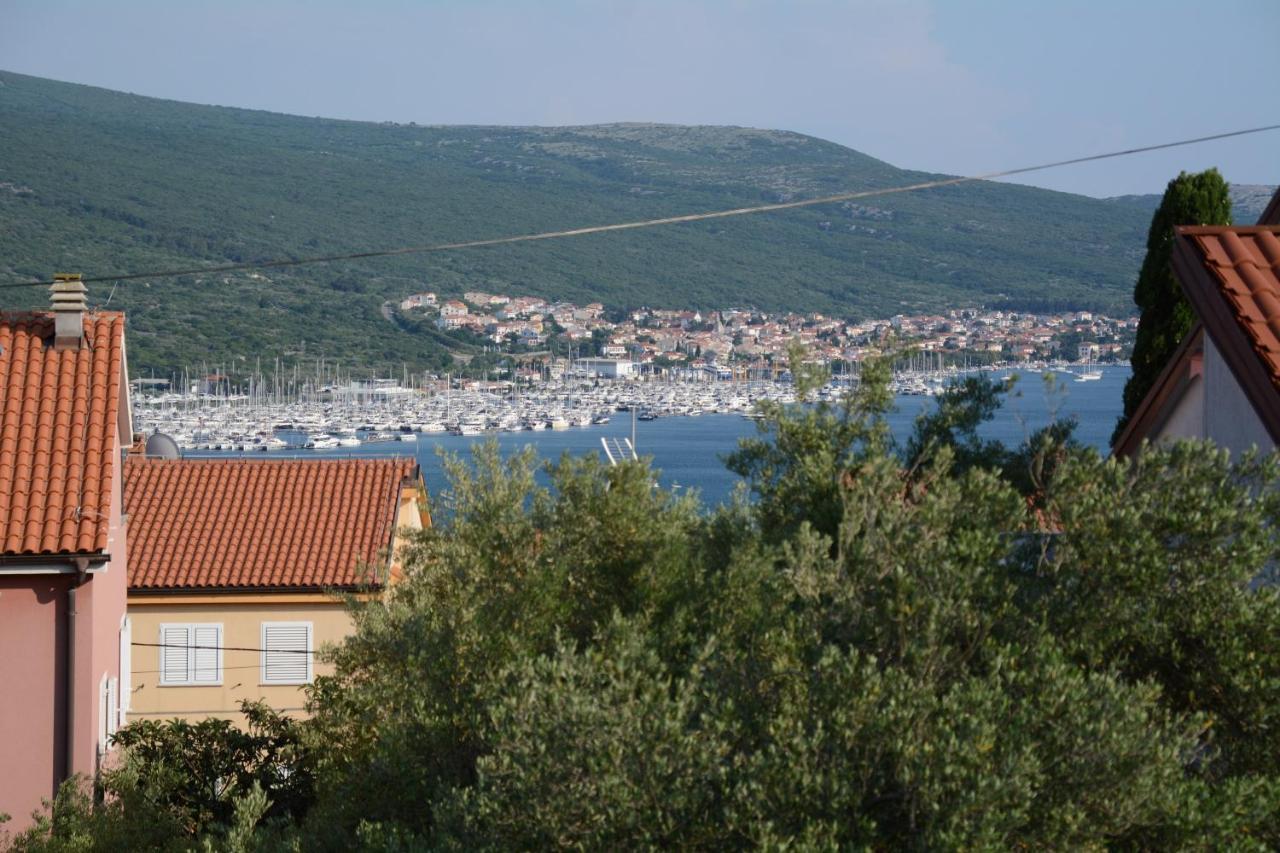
126 668
108 696
286 652
103 715
113 702
190 654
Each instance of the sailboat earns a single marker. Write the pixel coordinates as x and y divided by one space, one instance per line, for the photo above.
1090 373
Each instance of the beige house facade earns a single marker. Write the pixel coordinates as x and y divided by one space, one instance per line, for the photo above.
240 569
262 649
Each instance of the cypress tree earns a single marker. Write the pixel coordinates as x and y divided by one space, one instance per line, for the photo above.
1199 199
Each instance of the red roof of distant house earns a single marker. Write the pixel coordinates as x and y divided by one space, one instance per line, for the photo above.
58 416
241 524
1231 275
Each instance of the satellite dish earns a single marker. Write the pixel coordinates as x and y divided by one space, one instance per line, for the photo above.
161 446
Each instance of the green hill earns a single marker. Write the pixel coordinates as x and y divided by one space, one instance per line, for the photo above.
104 182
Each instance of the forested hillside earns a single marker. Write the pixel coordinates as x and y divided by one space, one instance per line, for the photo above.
105 182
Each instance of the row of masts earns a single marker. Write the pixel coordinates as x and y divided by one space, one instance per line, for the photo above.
283 383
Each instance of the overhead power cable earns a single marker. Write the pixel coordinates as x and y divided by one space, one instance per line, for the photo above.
225 648
651 223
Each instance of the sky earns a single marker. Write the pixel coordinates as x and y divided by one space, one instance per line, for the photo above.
960 87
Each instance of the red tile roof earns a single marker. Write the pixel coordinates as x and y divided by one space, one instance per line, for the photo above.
1246 263
58 417
1231 276
240 524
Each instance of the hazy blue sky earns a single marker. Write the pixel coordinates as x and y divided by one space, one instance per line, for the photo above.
958 87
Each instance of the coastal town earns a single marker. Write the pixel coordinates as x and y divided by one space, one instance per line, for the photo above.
670 338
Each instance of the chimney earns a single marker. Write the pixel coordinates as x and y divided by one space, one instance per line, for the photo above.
70 302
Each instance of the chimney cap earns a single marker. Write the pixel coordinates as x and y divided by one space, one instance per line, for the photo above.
68 293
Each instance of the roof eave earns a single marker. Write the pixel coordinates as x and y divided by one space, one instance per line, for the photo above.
124 415
343 589
46 564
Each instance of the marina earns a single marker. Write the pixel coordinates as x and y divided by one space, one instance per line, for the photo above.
380 411
686 448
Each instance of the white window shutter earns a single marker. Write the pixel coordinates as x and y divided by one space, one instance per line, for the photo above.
113 703
126 667
286 648
175 654
104 708
207 654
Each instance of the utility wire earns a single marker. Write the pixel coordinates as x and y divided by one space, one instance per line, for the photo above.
225 648
650 223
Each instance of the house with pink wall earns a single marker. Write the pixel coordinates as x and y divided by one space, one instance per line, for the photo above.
64 636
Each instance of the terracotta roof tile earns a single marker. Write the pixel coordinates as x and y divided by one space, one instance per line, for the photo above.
1245 264
260 523
58 416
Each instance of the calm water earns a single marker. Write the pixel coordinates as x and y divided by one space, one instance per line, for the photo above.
689 451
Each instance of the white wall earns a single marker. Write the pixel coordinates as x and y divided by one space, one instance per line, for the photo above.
1230 419
1187 418
608 367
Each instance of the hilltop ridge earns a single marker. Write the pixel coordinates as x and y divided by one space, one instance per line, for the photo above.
1247 201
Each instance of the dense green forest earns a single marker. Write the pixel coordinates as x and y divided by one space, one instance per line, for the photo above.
944 645
104 182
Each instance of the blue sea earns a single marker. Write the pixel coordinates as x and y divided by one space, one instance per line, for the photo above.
689 451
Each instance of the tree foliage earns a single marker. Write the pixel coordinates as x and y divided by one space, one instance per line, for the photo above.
185 785
947 644
1190 199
